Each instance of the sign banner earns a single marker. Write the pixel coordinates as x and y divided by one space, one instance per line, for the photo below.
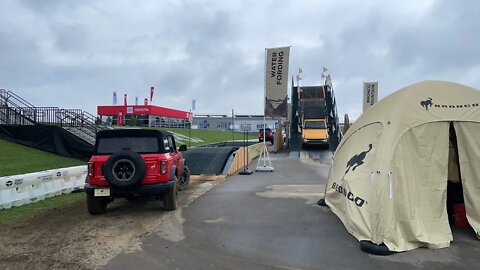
370 94
276 81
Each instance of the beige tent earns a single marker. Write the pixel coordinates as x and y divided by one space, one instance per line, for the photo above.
388 181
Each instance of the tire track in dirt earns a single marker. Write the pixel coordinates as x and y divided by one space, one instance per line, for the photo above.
70 238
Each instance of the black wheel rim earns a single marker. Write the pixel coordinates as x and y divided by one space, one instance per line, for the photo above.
183 179
123 170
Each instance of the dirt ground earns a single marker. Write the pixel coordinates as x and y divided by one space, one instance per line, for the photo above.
70 238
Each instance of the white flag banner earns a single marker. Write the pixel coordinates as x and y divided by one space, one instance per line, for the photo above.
276 81
370 94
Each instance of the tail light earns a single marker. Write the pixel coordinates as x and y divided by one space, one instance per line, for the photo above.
163 167
90 169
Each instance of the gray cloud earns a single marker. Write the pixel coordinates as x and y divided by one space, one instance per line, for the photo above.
76 53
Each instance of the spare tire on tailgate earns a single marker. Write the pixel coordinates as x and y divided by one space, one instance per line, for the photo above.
124 169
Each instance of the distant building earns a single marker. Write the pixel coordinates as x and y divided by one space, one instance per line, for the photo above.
144 115
155 116
240 122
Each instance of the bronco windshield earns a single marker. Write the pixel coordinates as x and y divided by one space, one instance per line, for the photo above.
315 124
143 145
267 130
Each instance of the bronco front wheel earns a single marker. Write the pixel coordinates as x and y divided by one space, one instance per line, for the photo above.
184 180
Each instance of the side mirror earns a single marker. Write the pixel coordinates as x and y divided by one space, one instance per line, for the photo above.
182 148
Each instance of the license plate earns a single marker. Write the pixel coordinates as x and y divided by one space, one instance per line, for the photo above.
102 192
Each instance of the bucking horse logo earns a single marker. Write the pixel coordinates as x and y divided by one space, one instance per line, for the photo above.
426 103
357 160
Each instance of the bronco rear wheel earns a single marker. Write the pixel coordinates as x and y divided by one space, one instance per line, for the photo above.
170 199
96 205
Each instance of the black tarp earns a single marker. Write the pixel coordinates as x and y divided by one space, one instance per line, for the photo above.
48 138
207 160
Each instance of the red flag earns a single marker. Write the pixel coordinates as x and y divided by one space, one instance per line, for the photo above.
151 93
125 99
145 102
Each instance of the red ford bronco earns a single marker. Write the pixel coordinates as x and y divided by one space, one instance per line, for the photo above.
131 163
268 135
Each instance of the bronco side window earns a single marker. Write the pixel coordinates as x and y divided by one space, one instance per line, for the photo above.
166 145
171 144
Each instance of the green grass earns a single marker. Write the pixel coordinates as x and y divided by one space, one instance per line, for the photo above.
33 209
202 136
19 159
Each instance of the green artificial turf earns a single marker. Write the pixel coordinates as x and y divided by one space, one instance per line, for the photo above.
202 136
19 159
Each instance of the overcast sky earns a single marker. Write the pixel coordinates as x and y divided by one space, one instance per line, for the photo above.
74 54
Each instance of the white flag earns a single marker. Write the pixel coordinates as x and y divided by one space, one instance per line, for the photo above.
325 69
298 75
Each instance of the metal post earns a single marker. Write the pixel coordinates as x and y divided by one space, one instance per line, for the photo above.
294 134
233 127
245 171
190 129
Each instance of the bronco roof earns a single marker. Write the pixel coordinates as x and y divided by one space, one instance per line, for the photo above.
131 133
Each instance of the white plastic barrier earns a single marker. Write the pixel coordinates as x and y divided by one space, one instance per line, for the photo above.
22 189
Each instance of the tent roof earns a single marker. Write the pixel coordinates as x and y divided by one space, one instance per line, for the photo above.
420 103
388 181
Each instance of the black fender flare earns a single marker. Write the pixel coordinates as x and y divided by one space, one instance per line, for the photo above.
173 172
180 171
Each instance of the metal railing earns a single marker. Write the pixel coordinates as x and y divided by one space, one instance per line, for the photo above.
18 111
